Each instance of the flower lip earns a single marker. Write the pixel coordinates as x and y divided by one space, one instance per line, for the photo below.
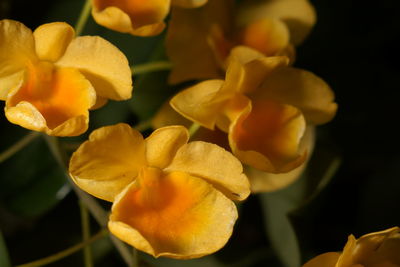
172 214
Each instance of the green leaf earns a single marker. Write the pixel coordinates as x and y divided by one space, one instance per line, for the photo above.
282 208
32 182
275 208
4 258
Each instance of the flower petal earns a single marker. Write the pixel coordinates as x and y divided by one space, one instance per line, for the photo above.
303 90
326 260
53 100
108 161
167 116
268 136
187 40
201 103
162 144
52 39
248 69
103 64
175 215
203 160
269 182
268 36
299 15
189 3
17 47
373 249
120 19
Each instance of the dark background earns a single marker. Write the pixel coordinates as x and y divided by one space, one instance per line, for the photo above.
355 48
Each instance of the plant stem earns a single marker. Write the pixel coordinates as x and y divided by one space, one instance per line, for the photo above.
193 129
18 146
98 213
64 253
151 67
87 253
83 17
135 258
143 125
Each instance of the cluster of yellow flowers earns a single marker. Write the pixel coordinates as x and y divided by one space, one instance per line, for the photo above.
170 197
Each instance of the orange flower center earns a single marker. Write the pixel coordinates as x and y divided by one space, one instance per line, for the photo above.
161 207
55 92
271 129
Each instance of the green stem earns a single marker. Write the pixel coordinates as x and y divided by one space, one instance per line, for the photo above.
151 67
143 125
83 17
100 215
193 129
85 222
64 253
18 146
135 258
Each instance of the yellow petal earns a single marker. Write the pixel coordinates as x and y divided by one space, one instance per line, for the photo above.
108 161
162 144
324 260
53 100
189 3
11 83
201 103
268 136
303 90
103 64
374 249
137 17
269 182
52 39
187 41
203 160
268 36
100 102
175 215
16 49
248 69
167 116
299 15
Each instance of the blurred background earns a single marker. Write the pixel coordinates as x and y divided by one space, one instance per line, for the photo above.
352 185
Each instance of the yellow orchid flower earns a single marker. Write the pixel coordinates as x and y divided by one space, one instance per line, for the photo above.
137 17
379 249
264 106
170 198
50 80
260 181
215 28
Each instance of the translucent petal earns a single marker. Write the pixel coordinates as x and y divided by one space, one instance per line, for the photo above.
268 135
299 15
187 40
269 182
53 100
52 39
175 215
108 161
137 17
162 144
201 103
103 64
203 160
17 48
301 89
